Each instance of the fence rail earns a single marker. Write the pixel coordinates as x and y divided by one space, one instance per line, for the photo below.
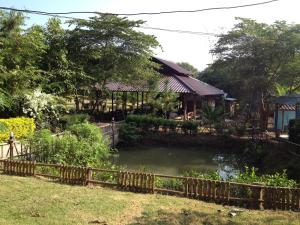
245 195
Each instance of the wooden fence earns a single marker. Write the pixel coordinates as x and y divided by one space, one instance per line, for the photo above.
244 195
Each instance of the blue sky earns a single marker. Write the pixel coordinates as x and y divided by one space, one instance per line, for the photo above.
176 47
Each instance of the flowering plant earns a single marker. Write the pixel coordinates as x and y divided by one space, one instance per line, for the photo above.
45 108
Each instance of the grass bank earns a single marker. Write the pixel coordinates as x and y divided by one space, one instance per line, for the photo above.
34 201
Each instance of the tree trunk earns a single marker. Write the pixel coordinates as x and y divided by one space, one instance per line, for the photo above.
264 112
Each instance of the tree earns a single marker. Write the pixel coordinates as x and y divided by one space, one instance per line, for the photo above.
164 102
20 56
212 115
253 56
108 48
189 67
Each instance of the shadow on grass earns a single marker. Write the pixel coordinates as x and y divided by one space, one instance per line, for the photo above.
189 217
185 217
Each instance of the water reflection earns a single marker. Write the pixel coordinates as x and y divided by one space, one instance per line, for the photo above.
176 160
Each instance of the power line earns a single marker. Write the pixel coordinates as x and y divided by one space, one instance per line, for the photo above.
142 27
180 31
140 13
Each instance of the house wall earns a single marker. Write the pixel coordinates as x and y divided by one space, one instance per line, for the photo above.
287 116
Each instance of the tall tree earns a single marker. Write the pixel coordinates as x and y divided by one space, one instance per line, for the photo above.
254 55
20 56
108 48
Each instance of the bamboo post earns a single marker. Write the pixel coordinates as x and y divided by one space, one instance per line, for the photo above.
11 145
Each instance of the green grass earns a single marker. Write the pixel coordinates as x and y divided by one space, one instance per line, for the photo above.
26 200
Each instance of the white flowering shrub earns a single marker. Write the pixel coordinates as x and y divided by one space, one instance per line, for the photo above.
45 108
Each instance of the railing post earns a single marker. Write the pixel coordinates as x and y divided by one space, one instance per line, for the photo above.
153 184
88 176
34 167
259 195
11 145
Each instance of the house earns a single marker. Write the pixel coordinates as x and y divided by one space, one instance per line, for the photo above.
286 108
193 93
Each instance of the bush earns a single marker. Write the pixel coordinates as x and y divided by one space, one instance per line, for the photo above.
21 127
211 175
146 122
69 120
81 145
294 130
250 176
46 109
189 126
129 134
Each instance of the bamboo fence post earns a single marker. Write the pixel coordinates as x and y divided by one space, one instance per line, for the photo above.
89 174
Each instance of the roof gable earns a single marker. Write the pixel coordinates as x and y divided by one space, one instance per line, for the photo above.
169 67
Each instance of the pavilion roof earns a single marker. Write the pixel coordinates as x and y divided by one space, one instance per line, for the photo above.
178 79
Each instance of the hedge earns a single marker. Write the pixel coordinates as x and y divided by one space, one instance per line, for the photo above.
21 127
148 122
294 130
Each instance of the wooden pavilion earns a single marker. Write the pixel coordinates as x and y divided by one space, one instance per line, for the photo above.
193 92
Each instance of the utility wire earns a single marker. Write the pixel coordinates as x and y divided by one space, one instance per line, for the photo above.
141 27
180 31
140 13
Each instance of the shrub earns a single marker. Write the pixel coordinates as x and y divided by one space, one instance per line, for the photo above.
21 127
146 122
189 126
250 176
46 109
211 175
171 183
69 120
172 124
240 130
81 144
294 130
129 134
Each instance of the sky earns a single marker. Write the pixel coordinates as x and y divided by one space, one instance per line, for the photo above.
194 49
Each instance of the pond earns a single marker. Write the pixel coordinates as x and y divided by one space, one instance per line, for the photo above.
176 160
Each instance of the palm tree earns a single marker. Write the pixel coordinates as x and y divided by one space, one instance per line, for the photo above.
212 115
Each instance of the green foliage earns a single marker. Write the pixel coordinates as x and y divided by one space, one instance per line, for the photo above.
189 126
252 59
250 176
21 127
189 67
82 145
147 123
212 175
70 62
294 130
46 109
69 120
170 183
108 47
211 114
129 134
164 102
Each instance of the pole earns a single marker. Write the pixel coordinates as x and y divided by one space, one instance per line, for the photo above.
137 100
112 101
11 145
276 121
113 131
